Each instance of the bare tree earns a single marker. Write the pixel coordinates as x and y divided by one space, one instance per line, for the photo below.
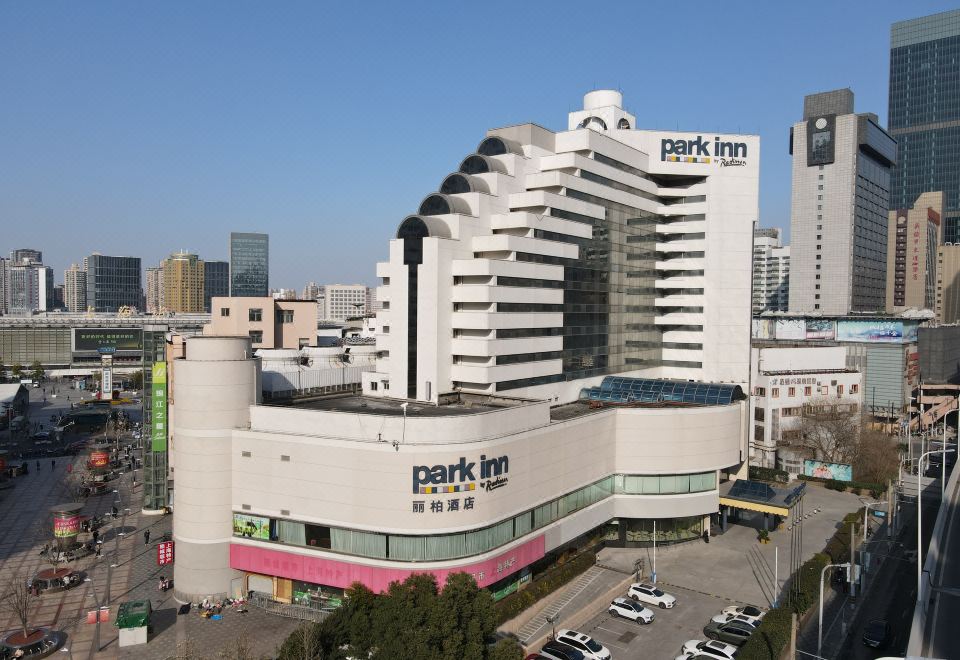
17 599
876 460
831 428
239 650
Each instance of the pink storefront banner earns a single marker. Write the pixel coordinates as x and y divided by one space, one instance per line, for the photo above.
337 573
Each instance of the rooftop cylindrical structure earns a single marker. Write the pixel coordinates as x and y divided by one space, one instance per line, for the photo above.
214 387
602 98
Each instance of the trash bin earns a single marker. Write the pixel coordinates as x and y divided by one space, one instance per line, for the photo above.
133 621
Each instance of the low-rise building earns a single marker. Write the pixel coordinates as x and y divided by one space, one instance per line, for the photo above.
269 323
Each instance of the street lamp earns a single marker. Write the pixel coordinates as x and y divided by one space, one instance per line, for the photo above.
552 620
919 511
866 510
820 619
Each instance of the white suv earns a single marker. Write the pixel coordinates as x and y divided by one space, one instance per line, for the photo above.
713 648
628 609
650 594
726 616
591 649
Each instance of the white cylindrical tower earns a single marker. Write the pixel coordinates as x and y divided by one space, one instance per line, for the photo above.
602 98
214 387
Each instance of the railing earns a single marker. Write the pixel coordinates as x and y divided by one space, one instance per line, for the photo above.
315 613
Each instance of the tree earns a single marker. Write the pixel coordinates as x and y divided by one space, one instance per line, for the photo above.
36 371
507 649
831 428
17 370
877 460
464 618
17 599
136 380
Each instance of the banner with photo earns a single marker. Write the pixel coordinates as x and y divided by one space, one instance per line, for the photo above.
871 331
822 470
820 329
252 527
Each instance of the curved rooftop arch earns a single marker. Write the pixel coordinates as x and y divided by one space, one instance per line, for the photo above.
441 204
498 146
623 124
413 227
593 122
463 183
622 390
478 164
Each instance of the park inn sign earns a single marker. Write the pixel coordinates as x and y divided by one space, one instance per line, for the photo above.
486 474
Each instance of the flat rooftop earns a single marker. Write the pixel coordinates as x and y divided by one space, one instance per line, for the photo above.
363 405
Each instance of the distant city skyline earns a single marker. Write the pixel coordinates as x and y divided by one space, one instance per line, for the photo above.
112 135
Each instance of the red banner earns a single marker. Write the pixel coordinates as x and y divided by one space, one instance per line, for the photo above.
65 527
99 458
164 553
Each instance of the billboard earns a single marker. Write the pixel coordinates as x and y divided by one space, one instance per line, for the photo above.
874 331
820 329
821 470
764 329
158 407
66 527
164 553
99 458
791 329
252 527
107 340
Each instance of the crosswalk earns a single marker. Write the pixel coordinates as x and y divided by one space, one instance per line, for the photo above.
535 627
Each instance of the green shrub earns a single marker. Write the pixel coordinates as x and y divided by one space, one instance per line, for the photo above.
770 638
551 580
855 490
863 485
768 474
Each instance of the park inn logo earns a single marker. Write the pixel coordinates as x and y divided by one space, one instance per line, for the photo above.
700 150
461 476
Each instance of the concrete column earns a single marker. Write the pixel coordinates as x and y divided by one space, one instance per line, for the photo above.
214 387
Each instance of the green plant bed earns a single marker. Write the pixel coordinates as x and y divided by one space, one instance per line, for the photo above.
542 586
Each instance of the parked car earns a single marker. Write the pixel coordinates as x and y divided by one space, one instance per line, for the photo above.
651 595
554 650
732 632
589 647
724 617
747 610
693 656
876 633
710 648
41 435
628 609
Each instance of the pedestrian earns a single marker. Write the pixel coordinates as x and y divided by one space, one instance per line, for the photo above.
96 535
38 466
146 537
53 464
98 550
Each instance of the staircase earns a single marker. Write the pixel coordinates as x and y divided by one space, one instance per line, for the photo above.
533 628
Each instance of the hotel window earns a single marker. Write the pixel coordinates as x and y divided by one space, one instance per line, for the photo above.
854 389
286 316
224 311
255 315
775 392
760 391
807 391
256 336
791 391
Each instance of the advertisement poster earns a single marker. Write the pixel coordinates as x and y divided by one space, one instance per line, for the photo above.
764 328
820 329
791 329
880 332
99 459
66 527
158 412
821 470
107 339
253 527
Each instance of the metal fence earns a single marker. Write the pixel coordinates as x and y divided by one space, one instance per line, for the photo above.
313 613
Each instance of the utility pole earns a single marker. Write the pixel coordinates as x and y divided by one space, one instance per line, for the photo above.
853 581
793 635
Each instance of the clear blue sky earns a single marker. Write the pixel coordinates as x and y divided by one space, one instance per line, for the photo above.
142 128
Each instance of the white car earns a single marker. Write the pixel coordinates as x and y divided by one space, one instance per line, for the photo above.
746 610
590 648
628 609
725 616
651 595
712 648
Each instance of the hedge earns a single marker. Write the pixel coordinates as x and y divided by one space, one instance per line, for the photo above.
843 485
551 580
768 474
773 633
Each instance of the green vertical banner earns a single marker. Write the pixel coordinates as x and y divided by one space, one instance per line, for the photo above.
158 414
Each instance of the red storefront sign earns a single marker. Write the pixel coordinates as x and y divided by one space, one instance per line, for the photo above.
164 553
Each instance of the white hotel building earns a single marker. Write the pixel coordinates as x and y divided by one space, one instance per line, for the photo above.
489 436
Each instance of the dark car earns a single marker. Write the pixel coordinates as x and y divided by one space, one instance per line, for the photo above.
732 632
554 650
876 633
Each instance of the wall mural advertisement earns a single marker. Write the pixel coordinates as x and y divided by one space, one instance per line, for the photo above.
821 470
791 329
820 329
252 527
874 331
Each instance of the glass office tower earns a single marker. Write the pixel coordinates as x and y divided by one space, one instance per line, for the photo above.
249 264
113 282
216 281
925 113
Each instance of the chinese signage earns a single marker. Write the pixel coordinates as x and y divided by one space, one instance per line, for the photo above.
99 459
792 381
460 477
66 527
252 527
893 332
106 377
164 553
158 410
875 331
107 339
821 470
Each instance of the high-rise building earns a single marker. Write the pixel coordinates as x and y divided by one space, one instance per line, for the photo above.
925 113
311 291
153 291
24 289
75 289
839 204
216 281
183 283
550 259
948 283
912 238
345 301
373 305
771 271
4 285
249 265
26 256
113 282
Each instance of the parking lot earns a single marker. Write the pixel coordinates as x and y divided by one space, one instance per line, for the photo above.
662 638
